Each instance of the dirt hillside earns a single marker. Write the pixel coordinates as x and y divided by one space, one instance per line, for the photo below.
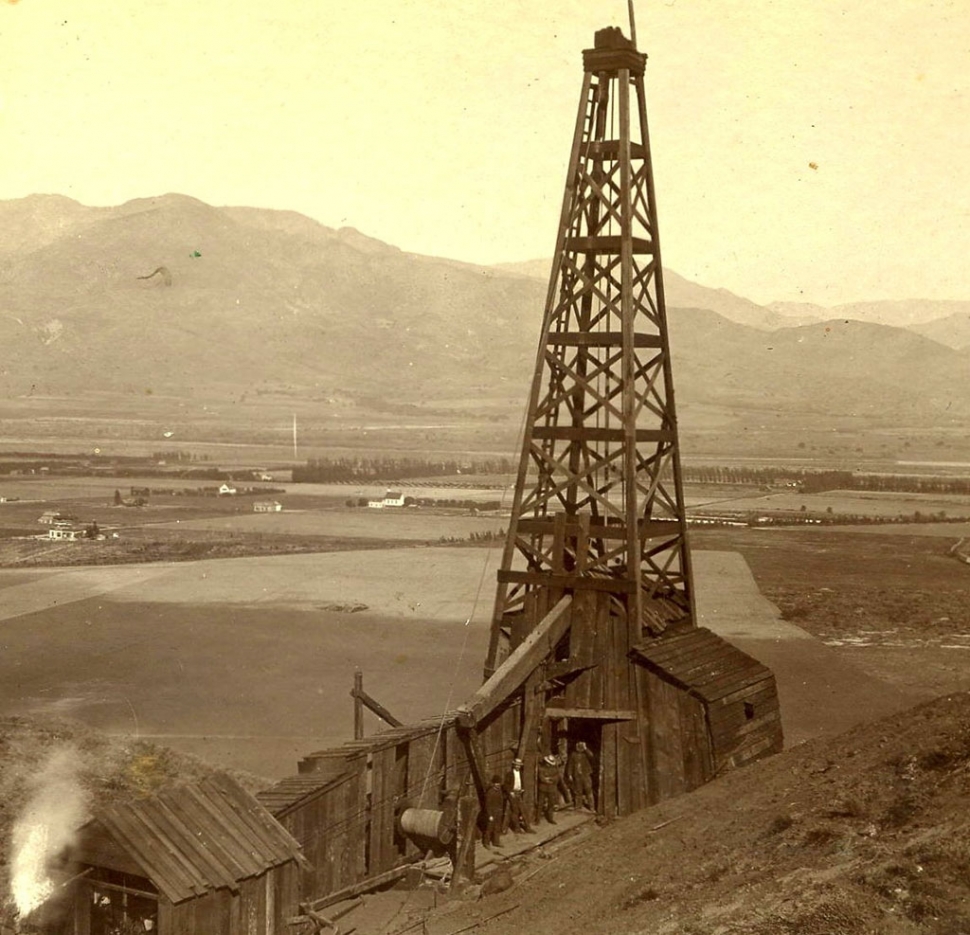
866 833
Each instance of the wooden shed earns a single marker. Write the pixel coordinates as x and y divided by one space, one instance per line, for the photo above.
735 694
199 858
659 716
344 806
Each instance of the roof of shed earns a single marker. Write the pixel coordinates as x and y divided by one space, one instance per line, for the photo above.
701 662
292 790
383 739
194 838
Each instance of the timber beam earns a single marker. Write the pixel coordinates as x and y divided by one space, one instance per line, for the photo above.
594 714
362 700
476 759
519 665
561 672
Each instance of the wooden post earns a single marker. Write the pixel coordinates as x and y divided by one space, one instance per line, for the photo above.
476 759
532 712
358 705
373 705
464 859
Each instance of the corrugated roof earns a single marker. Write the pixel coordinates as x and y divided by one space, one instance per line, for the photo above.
195 838
701 662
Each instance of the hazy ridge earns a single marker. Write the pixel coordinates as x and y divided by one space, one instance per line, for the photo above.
262 300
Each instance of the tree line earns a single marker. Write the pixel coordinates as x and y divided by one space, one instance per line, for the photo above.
809 481
364 470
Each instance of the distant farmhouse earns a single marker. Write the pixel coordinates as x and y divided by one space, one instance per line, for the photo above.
226 490
64 534
54 517
391 498
267 506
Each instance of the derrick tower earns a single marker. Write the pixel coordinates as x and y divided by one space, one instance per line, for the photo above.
594 653
598 500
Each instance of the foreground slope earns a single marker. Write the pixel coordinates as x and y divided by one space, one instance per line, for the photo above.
865 834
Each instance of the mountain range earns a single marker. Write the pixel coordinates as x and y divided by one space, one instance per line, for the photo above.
171 295
946 322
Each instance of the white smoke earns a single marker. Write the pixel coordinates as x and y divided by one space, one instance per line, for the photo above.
46 826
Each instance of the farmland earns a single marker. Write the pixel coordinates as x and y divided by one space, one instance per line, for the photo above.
247 662
243 660
233 635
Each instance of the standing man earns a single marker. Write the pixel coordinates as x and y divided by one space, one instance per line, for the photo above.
564 794
494 807
514 787
579 775
549 776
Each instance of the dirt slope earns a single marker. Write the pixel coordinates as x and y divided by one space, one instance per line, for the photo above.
866 833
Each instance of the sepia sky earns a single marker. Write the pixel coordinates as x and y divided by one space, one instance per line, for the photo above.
443 126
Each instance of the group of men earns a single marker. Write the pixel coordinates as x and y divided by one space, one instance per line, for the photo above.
505 799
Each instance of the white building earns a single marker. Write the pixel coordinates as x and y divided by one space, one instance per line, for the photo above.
391 498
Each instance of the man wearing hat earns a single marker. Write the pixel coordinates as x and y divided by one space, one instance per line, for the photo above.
494 810
514 787
579 774
549 777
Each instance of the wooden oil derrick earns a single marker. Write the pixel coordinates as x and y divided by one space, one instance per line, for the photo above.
595 654
598 500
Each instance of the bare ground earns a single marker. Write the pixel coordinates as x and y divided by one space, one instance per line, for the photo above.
896 606
864 834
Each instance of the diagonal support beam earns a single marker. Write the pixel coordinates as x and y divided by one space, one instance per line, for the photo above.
513 672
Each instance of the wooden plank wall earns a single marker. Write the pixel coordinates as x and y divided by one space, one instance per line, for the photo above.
745 724
425 761
288 891
250 907
663 750
260 907
330 827
349 830
662 733
210 913
696 742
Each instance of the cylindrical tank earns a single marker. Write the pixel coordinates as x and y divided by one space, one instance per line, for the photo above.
428 823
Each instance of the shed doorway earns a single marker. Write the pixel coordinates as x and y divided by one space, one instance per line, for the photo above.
565 736
119 904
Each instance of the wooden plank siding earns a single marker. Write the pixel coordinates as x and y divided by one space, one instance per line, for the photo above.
663 731
663 717
260 906
737 694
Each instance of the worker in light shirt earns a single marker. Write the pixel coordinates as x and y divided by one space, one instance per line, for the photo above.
514 787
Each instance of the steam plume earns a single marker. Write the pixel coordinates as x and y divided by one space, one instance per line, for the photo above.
54 811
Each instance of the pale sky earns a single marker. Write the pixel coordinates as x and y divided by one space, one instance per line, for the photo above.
443 126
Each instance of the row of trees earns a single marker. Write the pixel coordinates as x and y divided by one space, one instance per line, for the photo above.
819 481
364 470
178 456
743 476
830 518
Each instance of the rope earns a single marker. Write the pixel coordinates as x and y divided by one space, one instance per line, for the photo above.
468 620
